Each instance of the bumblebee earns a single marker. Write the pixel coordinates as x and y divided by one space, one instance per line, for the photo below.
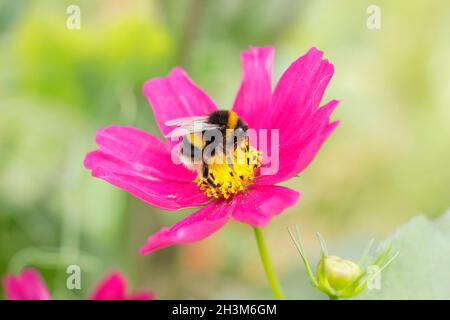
209 139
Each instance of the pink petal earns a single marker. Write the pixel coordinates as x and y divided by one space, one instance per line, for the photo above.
195 227
141 164
295 112
255 91
176 96
113 287
259 204
297 153
299 90
142 295
26 286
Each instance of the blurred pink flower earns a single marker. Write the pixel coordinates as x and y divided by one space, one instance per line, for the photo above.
141 164
114 287
29 286
26 286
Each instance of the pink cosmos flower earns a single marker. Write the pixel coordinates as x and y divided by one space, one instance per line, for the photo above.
141 164
114 287
26 286
29 286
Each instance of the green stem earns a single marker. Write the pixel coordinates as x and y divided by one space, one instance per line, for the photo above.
274 284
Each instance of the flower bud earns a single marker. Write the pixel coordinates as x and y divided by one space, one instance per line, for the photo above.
340 278
338 272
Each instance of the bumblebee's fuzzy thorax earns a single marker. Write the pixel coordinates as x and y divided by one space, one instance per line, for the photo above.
230 179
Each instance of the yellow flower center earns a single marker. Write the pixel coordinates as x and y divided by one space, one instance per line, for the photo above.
227 179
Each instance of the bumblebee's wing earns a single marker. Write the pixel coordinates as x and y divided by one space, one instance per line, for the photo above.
185 121
189 125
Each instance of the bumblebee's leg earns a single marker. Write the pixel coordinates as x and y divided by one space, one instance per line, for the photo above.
247 149
205 174
229 158
205 170
190 152
228 148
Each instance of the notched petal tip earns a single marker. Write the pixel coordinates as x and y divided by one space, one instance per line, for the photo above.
259 48
329 107
331 127
87 161
153 83
314 51
177 71
255 91
258 54
314 57
90 160
176 96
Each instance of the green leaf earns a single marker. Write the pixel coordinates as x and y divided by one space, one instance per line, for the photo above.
323 246
421 270
299 245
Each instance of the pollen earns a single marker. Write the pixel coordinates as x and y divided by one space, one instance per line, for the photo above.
226 179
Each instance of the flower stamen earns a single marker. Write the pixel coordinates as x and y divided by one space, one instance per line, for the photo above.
228 179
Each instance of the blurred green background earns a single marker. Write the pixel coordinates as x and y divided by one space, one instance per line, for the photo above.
388 161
